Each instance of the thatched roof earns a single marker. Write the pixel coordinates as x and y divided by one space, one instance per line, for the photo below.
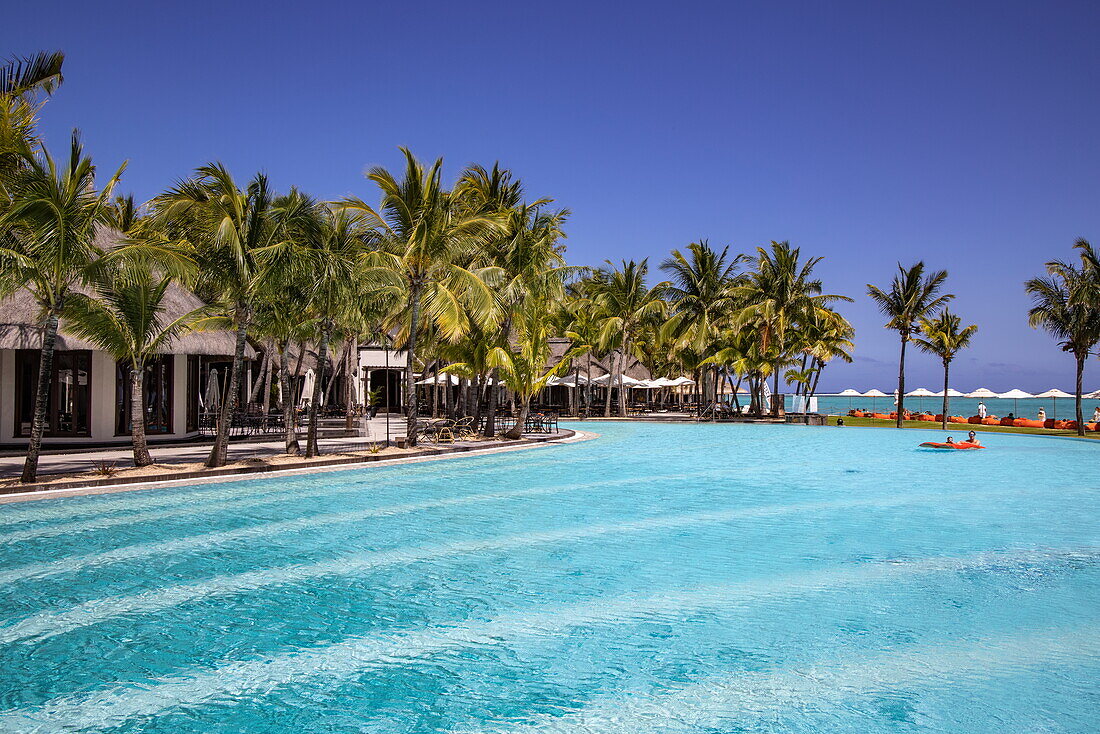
21 319
601 365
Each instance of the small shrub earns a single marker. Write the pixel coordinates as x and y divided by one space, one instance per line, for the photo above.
104 468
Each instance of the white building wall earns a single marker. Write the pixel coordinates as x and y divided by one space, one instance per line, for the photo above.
102 415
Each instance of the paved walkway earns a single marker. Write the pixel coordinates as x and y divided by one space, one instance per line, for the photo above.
62 461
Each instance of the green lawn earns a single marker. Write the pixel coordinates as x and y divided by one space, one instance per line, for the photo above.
958 429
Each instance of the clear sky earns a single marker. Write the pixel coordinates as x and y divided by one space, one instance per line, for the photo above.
964 134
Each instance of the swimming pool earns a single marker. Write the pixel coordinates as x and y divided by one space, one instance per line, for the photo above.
663 578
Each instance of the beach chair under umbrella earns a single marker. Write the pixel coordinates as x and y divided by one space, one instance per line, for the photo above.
874 394
1054 393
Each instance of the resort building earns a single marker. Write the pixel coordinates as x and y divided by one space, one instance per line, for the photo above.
89 400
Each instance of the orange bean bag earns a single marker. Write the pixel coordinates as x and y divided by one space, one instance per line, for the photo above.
927 418
1025 423
957 419
975 419
1007 422
990 421
882 416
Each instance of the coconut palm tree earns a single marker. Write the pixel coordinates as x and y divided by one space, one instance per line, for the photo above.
126 318
912 295
425 229
320 249
47 244
702 297
22 80
582 321
781 294
40 71
825 336
627 302
280 318
944 336
1064 304
223 227
522 364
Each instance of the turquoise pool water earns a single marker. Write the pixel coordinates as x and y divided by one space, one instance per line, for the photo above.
664 578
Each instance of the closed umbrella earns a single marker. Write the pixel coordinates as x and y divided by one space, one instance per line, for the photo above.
1014 395
213 391
874 394
1054 393
307 386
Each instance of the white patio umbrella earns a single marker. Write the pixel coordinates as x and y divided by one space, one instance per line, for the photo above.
1054 393
850 393
1014 395
213 391
442 379
921 393
627 381
874 394
681 381
982 393
951 393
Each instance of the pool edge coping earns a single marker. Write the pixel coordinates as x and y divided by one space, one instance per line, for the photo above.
82 488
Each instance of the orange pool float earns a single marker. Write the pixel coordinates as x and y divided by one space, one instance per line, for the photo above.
962 445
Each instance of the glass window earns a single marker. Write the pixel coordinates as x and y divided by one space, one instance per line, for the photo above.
69 408
157 389
193 392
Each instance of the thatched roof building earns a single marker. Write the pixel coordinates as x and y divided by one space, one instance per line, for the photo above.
21 322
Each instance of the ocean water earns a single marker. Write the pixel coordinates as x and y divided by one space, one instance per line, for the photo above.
1026 408
662 578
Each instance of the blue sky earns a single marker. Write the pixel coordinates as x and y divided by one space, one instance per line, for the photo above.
964 134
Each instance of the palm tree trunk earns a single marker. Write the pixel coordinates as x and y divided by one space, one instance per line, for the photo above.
588 387
137 416
1077 394
338 365
41 398
774 407
946 371
270 347
322 356
516 431
574 393
298 369
610 381
494 402
291 436
622 390
435 389
350 377
411 406
254 395
221 437
901 385
820 367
